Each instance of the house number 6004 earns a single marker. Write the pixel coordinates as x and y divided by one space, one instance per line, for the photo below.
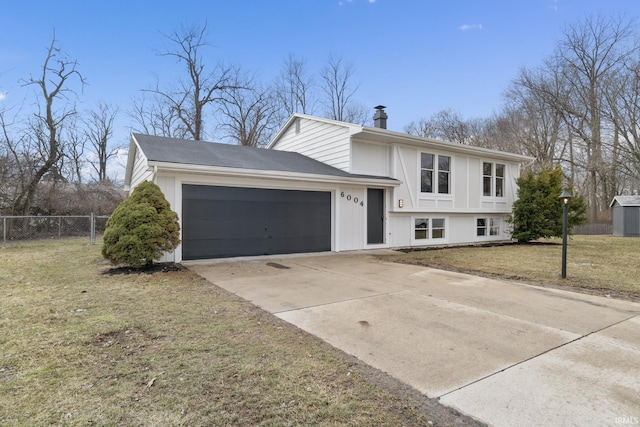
349 198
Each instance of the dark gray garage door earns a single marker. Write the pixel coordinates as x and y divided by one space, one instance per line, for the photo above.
219 222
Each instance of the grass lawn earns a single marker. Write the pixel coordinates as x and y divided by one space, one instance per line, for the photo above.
602 265
80 347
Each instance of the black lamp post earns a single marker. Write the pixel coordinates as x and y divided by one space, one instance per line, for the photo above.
564 198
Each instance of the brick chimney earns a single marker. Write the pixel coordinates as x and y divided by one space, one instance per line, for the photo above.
380 117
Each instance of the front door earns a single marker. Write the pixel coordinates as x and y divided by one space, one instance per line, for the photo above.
375 216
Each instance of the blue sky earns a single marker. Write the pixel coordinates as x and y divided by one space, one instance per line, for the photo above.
414 56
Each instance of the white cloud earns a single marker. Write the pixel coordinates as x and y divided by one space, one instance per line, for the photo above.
3 96
467 27
342 3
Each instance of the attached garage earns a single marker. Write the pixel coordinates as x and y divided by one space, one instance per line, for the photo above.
220 222
243 201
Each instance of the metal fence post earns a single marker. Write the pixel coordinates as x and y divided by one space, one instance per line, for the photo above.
92 239
4 231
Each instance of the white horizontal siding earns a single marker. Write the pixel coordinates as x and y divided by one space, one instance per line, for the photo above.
324 142
167 185
141 171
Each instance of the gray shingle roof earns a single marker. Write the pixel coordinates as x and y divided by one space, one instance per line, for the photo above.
180 151
627 200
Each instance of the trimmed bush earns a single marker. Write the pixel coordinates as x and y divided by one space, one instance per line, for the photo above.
141 228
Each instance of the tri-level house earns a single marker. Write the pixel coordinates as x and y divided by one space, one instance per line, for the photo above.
326 185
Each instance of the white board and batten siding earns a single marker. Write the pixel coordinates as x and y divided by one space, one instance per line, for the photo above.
370 159
351 216
460 208
325 142
466 192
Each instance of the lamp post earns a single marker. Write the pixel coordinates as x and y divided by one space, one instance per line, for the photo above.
564 198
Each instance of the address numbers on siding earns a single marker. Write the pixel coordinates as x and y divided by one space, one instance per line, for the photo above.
350 198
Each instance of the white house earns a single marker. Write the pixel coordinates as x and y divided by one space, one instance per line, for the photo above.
325 185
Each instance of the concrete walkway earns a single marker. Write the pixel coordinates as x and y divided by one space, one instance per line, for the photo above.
504 353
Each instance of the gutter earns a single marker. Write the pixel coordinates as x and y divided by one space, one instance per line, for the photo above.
278 175
390 136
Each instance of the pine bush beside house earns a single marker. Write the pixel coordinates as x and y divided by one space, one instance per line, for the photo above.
141 228
538 211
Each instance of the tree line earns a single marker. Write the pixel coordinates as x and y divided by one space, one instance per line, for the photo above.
57 159
578 109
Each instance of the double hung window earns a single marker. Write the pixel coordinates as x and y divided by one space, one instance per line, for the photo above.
435 167
493 179
487 227
429 228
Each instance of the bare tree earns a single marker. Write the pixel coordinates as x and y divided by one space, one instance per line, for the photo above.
98 132
624 113
153 115
53 85
75 152
447 125
533 124
294 88
575 83
247 116
339 90
200 87
12 168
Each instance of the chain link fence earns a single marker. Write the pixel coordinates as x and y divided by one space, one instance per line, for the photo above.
22 228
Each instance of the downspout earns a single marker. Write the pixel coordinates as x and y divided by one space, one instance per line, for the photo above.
154 175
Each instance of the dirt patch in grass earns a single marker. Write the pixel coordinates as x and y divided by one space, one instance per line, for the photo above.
80 346
157 267
599 265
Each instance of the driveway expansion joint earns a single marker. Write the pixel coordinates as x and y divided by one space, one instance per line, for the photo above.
359 298
579 338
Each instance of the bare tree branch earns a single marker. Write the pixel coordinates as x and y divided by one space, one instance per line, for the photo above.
52 84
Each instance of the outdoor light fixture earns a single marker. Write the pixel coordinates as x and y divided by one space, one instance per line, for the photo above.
401 203
564 198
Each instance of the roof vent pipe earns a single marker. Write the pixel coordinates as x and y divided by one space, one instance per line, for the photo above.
380 117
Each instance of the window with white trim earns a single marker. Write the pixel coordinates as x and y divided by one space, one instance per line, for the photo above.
499 184
435 167
429 228
437 228
493 179
421 228
426 173
488 227
481 227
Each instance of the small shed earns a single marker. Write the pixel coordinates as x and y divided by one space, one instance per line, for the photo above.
626 216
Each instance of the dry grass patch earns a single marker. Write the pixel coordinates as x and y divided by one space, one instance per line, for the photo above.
602 265
80 347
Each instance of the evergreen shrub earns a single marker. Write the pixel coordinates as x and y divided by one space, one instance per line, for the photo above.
141 228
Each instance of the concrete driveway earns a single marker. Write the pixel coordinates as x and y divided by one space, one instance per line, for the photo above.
504 353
